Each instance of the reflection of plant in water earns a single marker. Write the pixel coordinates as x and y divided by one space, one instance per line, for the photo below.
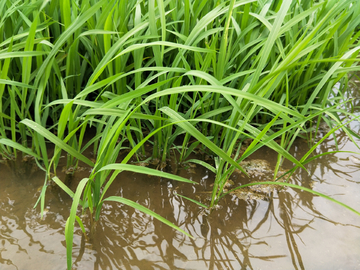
293 226
21 229
234 236
287 202
331 162
286 214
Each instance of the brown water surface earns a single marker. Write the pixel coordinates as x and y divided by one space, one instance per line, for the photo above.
290 229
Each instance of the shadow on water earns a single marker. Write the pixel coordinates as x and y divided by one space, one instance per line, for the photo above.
287 229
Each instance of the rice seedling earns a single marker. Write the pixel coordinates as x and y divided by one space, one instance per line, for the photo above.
164 72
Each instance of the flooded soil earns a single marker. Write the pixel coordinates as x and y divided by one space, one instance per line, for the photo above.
285 229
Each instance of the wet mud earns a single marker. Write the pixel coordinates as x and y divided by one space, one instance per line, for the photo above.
268 228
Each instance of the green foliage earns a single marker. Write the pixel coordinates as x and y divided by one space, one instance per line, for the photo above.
216 71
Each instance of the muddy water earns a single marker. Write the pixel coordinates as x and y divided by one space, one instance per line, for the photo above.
287 229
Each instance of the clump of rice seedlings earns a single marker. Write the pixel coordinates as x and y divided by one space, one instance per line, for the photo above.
160 72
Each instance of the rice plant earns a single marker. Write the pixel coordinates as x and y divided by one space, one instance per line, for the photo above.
183 76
